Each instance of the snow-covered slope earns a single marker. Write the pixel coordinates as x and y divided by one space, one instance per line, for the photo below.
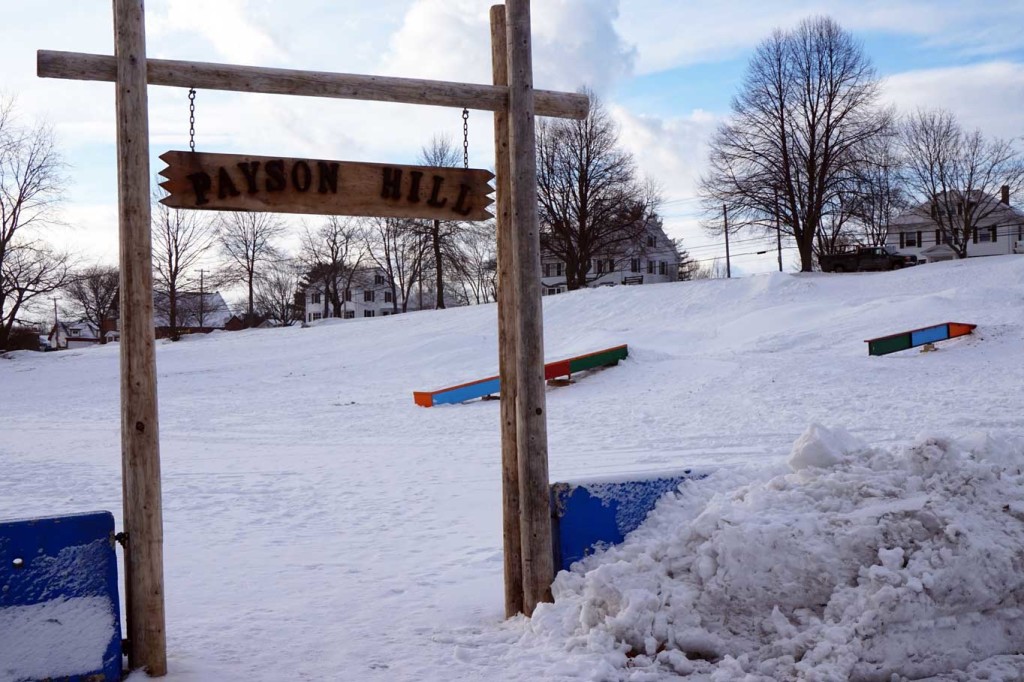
319 525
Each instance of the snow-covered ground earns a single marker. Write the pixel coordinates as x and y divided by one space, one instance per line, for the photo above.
320 526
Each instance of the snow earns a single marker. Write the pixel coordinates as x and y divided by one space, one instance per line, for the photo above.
863 516
55 638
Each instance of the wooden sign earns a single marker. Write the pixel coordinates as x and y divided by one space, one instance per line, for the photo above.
230 182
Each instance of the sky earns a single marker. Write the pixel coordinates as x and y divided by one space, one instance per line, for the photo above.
666 69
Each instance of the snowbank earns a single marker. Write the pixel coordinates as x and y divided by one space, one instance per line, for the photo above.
859 564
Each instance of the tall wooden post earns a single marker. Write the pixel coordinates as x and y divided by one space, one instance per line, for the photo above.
532 437
507 287
140 452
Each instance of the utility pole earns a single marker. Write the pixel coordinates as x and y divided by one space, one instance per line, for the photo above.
728 265
56 328
778 229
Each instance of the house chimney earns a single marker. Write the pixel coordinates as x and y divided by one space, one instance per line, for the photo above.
1005 194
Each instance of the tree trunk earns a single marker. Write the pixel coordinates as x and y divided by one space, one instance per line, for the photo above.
438 272
172 312
249 314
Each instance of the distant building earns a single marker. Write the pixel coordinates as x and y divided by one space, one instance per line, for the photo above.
366 295
1001 231
71 335
197 313
652 259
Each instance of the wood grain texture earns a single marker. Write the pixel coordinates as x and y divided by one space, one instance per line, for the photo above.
531 407
207 76
140 442
507 352
232 182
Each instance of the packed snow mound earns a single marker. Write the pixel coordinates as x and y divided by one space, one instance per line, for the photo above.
861 564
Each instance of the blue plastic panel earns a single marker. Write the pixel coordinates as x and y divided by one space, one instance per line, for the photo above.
464 393
929 335
59 607
589 515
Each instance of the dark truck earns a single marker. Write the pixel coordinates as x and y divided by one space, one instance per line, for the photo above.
865 258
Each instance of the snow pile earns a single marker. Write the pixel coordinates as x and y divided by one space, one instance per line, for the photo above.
861 563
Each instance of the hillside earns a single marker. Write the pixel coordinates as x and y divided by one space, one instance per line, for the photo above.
318 522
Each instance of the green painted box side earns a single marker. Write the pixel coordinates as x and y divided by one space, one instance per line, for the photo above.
608 357
889 344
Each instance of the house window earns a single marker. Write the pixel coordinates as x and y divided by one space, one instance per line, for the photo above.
315 316
367 313
611 265
388 297
984 235
938 236
634 265
349 314
650 240
75 332
367 296
662 265
552 291
650 267
909 239
385 313
348 294
316 298
558 269
378 279
600 266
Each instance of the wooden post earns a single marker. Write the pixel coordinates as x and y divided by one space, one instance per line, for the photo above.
140 450
532 437
507 287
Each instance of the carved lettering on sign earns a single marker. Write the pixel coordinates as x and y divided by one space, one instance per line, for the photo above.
227 182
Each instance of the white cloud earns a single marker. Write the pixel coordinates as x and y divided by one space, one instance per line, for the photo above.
988 96
575 43
673 33
232 28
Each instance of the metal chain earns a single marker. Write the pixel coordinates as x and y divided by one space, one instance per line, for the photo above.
192 119
465 138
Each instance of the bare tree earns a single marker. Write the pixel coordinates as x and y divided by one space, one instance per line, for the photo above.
247 245
475 270
30 270
807 106
330 257
31 183
398 250
441 234
180 240
591 199
957 176
877 193
92 293
275 292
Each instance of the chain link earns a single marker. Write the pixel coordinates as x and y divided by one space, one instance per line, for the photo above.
192 119
465 138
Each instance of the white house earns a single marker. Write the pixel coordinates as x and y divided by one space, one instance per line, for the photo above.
654 258
367 295
73 335
999 232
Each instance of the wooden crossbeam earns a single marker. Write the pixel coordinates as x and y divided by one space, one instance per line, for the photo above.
209 76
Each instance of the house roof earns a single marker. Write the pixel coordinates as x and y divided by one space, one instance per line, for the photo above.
215 312
920 217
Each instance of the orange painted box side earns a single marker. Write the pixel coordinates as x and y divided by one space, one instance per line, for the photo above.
960 329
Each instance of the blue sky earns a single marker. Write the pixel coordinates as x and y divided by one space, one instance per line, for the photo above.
665 68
